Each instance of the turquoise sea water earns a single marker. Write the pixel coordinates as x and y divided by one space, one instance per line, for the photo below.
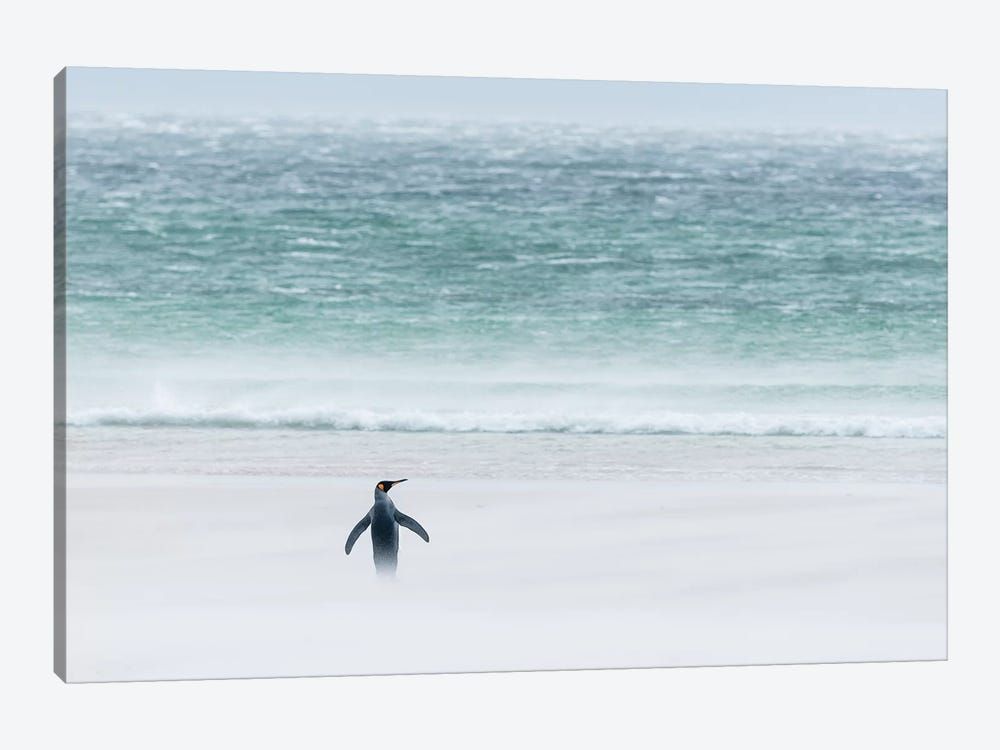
266 281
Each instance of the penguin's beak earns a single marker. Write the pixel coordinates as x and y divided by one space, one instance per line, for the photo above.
394 483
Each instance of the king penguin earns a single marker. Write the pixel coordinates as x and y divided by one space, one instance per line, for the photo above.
385 521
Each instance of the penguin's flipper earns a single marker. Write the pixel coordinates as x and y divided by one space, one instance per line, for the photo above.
404 520
363 524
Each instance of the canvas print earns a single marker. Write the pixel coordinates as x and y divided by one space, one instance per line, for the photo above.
389 374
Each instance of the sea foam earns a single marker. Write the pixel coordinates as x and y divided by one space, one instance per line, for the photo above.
659 423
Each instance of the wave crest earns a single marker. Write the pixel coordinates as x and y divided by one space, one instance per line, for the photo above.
658 423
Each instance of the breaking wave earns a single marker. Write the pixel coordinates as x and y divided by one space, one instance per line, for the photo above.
655 423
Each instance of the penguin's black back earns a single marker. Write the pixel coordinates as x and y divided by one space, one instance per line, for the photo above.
385 539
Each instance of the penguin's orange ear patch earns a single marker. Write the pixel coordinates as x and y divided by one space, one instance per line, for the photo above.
381 486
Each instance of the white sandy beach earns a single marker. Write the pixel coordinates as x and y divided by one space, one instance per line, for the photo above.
191 577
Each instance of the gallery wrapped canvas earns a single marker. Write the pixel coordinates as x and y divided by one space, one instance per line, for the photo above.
578 374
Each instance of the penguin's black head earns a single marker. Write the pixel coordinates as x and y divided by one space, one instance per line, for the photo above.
386 484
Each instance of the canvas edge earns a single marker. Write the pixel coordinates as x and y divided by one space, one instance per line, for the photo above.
59 374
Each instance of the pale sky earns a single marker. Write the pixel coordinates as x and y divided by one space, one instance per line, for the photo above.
680 105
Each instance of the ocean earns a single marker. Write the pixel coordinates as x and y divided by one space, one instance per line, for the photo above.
504 300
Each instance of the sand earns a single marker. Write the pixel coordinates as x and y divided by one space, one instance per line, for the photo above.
191 577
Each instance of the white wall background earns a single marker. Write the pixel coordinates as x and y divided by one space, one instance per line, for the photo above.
848 42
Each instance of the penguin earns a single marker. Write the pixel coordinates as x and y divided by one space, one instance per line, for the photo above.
385 521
